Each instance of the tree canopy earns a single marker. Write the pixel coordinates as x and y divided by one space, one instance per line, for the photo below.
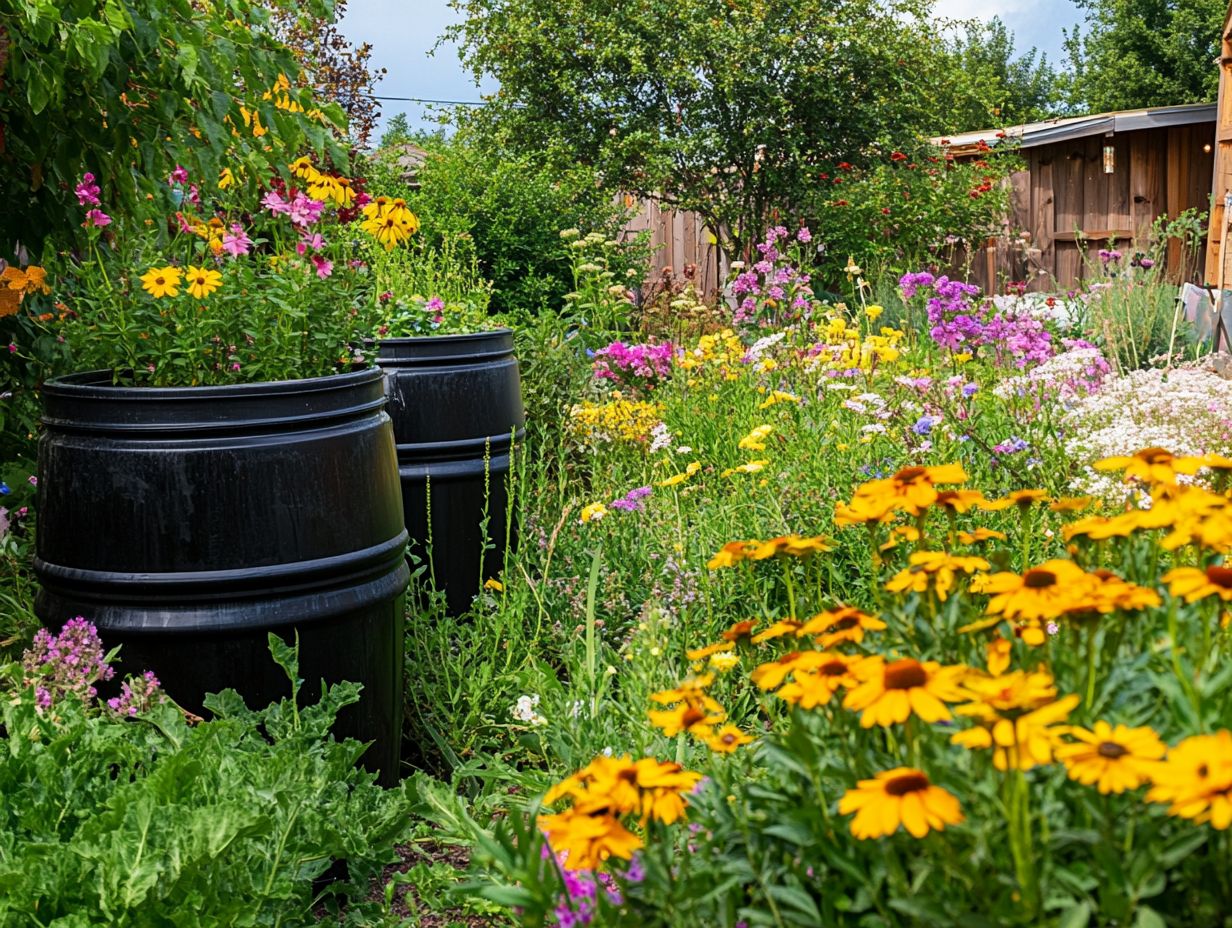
726 107
1132 53
128 89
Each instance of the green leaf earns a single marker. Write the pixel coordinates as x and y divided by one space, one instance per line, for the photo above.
1147 917
1076 916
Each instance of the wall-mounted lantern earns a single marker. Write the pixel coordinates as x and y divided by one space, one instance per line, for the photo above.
1109 159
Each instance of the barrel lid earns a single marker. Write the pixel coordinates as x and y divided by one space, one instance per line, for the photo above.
92 401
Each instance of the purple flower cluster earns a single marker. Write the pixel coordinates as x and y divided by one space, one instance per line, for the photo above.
1013 445
632 501
137 694
67 664
772 291
577 904
643 366
960 322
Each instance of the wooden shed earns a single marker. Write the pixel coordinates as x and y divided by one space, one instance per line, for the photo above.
1090 180
1219 255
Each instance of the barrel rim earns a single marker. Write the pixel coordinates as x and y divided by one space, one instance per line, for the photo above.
452 338
97 384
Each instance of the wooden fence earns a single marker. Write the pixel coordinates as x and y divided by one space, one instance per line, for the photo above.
677 239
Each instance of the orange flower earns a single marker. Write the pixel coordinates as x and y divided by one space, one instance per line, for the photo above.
889 693
842 623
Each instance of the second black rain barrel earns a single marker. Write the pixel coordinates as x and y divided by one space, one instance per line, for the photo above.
187 523
456 405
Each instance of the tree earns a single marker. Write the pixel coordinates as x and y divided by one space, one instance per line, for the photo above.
127 90
727 107
1011 89
332 67
1133 53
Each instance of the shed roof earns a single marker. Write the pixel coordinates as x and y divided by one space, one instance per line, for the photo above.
1050 131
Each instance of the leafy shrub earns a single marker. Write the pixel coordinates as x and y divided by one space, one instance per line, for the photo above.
511 210
139 819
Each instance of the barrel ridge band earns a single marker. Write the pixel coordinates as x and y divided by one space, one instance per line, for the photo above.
296 576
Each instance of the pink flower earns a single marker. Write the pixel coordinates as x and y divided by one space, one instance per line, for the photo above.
324 266
313 242
87 191
275 204
193 196
235 366
236 242
178 176
304 211
98 218
436 304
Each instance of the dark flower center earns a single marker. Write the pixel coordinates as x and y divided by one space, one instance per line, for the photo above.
907 783
1220 576
1111 750
1203 771
832 669
728 738
1038 579
909 474
905 675
1154 456
843 625
691 716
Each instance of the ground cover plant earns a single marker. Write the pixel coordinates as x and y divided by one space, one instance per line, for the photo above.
130 815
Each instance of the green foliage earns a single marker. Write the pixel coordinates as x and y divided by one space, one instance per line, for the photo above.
720 107
1133 53
511 208
127 89
424 289
1012 89
909 209
17 585
1134 313
135 822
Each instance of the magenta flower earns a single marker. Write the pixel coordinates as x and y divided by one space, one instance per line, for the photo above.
87 191
324 266
436 304
304 211
178 176
98 218
314 242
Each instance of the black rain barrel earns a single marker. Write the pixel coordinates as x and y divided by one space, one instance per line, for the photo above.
456 405
187 523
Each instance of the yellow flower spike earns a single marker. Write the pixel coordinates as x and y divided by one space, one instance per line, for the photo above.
593 513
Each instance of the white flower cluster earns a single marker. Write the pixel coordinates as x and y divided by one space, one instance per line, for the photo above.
1066 378
660 437
524 710
761 345
1186 411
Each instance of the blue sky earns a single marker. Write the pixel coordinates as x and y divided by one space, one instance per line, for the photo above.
403 32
